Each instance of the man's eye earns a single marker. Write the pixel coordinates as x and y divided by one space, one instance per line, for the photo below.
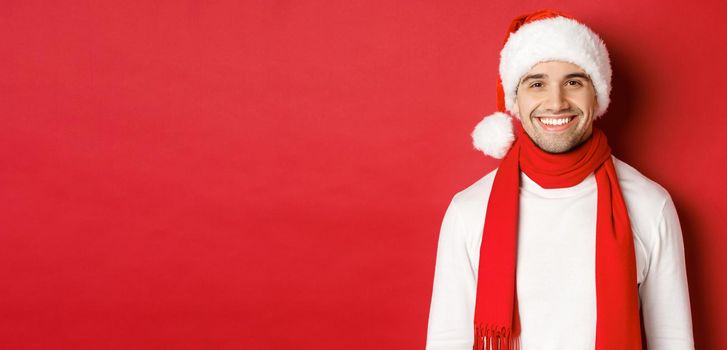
536 84
573 81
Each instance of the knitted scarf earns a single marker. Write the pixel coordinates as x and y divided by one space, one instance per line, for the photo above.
496 320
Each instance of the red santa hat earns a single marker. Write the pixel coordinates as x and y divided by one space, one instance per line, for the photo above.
545 35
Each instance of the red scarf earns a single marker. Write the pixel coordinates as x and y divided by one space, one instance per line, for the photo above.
497 323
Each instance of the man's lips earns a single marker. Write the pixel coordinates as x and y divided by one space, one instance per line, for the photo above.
555 122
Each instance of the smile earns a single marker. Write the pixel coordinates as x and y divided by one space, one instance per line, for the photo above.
556 123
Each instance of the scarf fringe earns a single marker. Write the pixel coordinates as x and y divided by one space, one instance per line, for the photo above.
488 337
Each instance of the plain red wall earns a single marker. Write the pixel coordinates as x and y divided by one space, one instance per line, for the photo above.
273 174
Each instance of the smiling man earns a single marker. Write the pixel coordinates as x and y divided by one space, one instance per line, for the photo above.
558 102
563 245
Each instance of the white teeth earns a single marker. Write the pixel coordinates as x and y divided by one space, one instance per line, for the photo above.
554 121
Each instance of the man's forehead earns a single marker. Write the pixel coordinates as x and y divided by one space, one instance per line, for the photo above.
556 69
565 76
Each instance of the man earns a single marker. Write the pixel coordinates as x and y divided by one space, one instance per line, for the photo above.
563 244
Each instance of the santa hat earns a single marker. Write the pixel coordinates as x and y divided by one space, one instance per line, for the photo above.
545 35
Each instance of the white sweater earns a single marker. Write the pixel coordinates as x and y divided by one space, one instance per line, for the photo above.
556 287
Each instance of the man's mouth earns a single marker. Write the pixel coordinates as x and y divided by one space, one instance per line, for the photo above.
556 122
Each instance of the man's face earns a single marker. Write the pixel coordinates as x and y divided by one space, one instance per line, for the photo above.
556 101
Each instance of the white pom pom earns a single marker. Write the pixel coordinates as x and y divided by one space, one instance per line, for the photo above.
494 135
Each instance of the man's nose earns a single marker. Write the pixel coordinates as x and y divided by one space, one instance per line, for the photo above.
556 100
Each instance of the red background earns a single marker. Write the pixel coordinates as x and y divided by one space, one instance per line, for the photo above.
273 174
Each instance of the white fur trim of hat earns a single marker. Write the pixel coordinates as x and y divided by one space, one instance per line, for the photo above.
550 39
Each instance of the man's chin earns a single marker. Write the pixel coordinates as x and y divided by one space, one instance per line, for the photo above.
554 145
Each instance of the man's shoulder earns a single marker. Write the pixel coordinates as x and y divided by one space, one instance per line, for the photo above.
636 187
470 203
477 191
645 199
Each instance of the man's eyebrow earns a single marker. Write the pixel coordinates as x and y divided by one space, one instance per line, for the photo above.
569 76
578 75
533 76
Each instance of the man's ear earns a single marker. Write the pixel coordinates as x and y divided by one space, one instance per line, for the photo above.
516 108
